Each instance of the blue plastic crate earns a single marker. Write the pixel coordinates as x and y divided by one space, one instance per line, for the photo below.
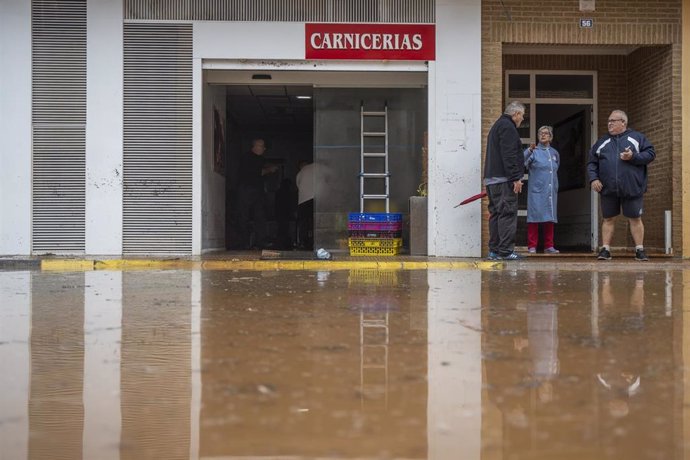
375 217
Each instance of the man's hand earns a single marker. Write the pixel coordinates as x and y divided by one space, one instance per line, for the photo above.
597 185
517 186
627 154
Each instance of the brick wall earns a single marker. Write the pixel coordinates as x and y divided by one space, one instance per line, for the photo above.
651 98
636 22
651 81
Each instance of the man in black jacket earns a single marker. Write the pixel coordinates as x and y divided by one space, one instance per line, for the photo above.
503 171
253 168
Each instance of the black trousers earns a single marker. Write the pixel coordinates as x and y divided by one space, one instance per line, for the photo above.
503 207
252 206
305 224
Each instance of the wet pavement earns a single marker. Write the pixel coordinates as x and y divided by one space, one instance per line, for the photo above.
529 362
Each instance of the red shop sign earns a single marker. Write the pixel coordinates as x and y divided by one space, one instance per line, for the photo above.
401 42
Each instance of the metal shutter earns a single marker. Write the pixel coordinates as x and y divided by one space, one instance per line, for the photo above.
157 172
403 11
58 59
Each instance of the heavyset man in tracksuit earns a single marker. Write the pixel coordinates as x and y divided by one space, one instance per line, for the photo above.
617 170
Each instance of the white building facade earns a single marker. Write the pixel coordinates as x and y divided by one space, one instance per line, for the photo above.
95 93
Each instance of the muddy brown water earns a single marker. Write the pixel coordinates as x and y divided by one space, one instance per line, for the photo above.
362 364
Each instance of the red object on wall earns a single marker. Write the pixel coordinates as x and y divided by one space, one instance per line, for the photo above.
399 42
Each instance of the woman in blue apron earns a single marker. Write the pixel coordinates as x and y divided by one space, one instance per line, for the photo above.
542 163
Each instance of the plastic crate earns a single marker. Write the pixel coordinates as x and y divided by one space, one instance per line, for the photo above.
375 217
375 234
375 242
375 226
374 246
373 251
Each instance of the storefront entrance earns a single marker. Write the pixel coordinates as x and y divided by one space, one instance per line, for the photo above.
313 117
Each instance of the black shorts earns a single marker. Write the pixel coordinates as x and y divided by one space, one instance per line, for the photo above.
611 206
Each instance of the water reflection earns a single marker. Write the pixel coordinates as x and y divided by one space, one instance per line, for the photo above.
56 412
360 364
576 374
156 365
15 358
313 365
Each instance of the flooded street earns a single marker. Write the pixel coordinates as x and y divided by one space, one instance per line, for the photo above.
360 364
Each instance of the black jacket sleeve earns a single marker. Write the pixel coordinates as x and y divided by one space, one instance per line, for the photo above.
511 151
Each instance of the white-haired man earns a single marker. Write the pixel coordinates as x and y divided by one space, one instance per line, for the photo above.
503 171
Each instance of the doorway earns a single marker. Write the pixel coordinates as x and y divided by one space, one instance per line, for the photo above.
282 108
281 116
564 100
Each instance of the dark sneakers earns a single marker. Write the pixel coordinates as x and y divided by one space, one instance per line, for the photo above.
512 256
640 255
604 254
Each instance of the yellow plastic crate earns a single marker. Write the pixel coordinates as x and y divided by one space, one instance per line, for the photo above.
373 251
382 243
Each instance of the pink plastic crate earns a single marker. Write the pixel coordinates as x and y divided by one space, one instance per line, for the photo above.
375 226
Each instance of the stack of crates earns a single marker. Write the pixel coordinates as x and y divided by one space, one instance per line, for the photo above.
374 234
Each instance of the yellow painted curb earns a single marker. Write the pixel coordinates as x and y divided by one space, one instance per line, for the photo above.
142 264
389 265
415 265
489 265
66 265
361 264
326 265
314 265
439 265
228 265
291 265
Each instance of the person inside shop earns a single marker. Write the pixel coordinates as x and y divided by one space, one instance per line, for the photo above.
252 195
617 170
305 205
542 161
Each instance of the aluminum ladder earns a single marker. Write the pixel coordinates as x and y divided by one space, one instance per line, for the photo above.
365 171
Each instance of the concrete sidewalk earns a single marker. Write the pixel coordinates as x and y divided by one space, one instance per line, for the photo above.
294 260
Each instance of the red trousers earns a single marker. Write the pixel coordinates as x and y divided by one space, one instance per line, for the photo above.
533 234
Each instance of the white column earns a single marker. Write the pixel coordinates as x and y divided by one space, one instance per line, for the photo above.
15 362
102 338
455 130
104 130
454 412
15 127
197 151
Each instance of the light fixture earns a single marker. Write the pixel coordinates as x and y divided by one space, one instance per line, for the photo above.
303 97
